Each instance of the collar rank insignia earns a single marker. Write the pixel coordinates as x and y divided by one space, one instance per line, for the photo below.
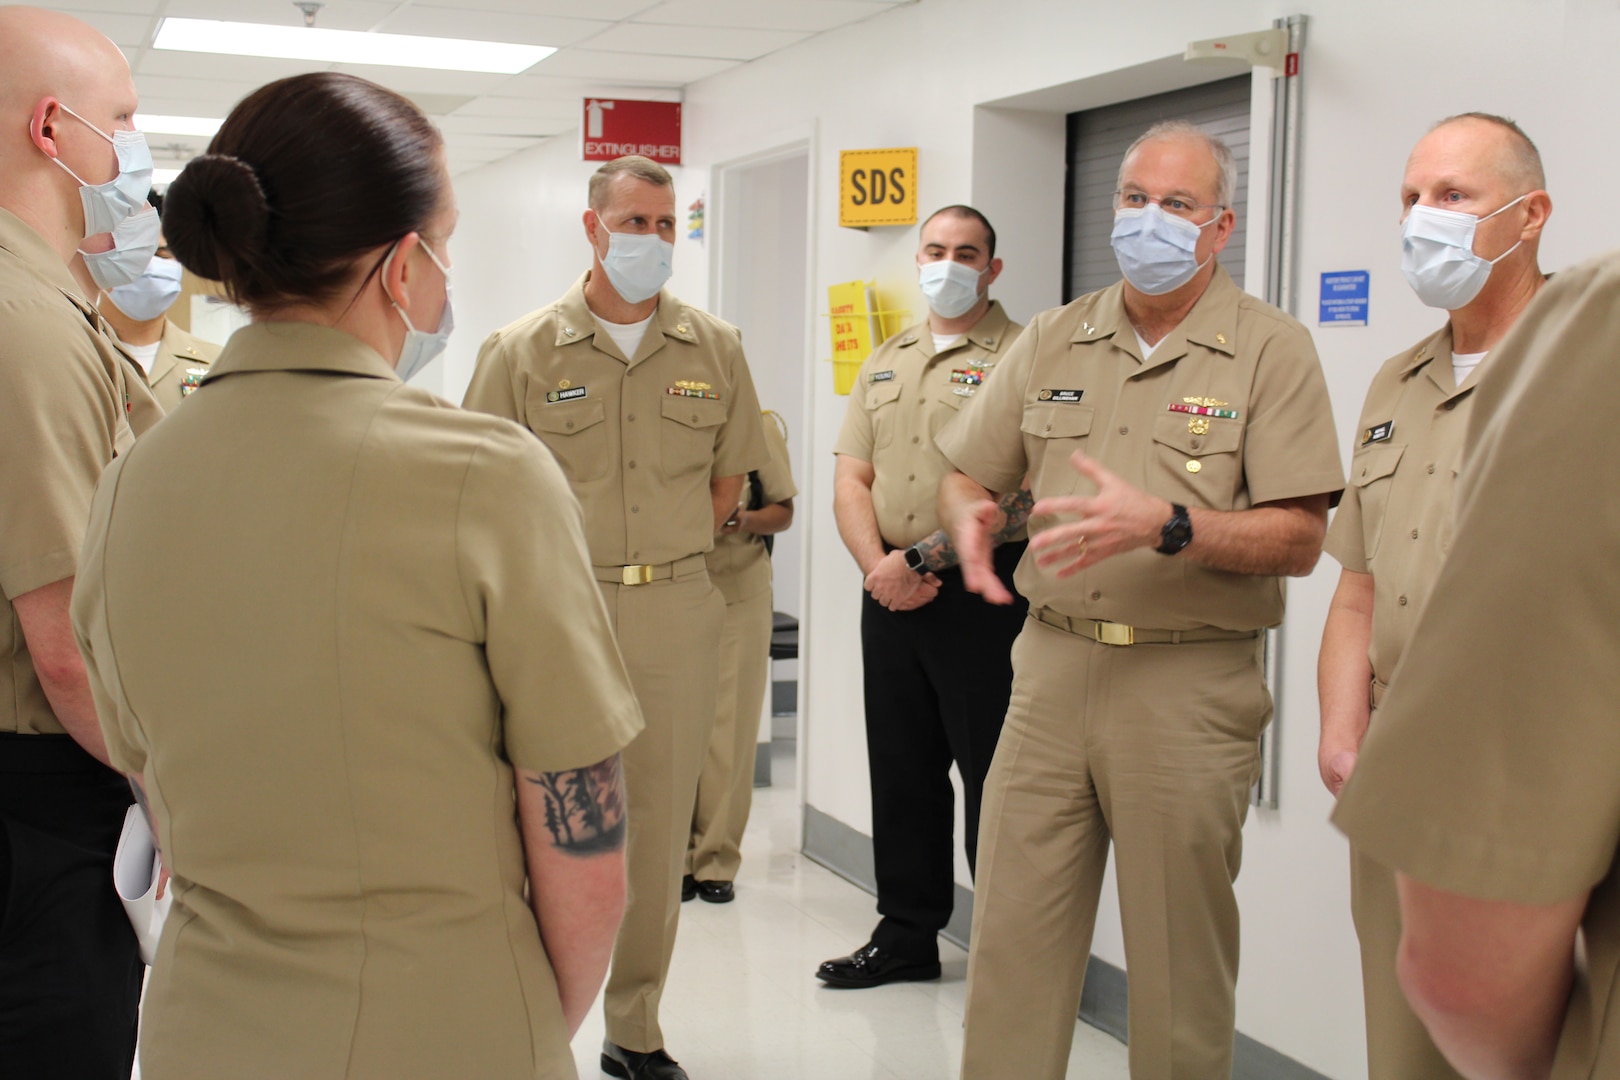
567 393
880 376
1066 397
972 376
1380 433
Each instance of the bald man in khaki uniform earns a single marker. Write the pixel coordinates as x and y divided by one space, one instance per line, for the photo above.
1177 435
740 567
934 657
1488 780
1393 528
650 410
70 402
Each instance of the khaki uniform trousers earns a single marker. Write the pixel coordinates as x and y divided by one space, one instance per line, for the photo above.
1398 1045
669 632
726 789
1154 747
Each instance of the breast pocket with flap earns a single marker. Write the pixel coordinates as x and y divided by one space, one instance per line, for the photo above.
882 401
1052 433
1372 474
689 430
1199 468
575 433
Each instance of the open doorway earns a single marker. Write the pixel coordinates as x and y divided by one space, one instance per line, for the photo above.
761 224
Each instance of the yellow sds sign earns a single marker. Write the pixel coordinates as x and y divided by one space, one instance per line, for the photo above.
877 187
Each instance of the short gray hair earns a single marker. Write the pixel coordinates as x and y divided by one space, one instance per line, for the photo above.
1225 185
641 168
1523 167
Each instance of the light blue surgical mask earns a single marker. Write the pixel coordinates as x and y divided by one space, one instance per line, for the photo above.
135 240
153 293
637 264
421 348
1437 255
951 288
1156 251
105 205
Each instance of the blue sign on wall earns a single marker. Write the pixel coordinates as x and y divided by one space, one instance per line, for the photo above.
1344 298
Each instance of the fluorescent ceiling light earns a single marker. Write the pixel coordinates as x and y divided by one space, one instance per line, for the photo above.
164 176
177 125
347 46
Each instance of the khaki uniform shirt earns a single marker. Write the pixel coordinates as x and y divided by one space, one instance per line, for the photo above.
1395 520
904 395
70 402
1075 380
739 565
1492 770
181 362
640 437
327 713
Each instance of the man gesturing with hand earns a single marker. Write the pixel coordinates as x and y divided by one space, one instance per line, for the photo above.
1178 442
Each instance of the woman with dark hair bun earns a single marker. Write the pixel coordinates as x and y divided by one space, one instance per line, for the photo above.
379 729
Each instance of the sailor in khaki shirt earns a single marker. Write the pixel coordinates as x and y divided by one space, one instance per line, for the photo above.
70 402
935 658
173 359
1393 529
648 405
740 567
1488 781
1177 435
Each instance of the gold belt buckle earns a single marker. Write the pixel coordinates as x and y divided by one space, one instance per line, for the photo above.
1113 633
639 574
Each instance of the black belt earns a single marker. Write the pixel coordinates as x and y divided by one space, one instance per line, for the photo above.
45 754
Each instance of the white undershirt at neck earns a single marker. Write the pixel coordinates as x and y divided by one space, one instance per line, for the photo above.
944 341
145 355
1141 343
627 336
1463 364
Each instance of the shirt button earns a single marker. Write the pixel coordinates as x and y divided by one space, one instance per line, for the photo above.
637 510
570 425
913 476
916 438
635 554
1196 443
1414 534
911 517
632 417
1096 596
1431 469
632 464
1401 601
1124 431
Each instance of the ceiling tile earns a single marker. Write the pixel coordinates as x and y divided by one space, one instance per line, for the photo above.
255 70
126 31
423 80
611 10
206 96
440 104
84 10
704 41
528 127
631 68
523 29
555 86
763 14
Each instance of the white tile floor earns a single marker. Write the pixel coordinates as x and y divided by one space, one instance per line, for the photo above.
743 1003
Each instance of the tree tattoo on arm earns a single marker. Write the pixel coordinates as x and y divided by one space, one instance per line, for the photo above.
938 553
584 807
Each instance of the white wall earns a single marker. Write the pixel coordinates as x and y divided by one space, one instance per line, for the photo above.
1376 72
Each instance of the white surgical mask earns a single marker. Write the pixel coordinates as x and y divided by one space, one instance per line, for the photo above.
1437 255
951 288
105 205
421 347
1156 251
637 264
152 293
135 240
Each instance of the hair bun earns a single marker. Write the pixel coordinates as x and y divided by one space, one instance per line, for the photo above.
216 217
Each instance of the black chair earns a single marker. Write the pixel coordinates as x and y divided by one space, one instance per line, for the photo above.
784 636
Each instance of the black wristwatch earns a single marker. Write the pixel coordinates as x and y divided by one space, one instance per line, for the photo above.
914 560
1177 532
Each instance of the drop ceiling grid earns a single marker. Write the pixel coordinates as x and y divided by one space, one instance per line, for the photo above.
624 48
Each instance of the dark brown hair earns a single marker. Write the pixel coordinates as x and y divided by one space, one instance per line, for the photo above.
958 210
305 175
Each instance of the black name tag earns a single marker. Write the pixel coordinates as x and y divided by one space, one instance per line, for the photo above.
1068 397
880 376
1378 434
571 394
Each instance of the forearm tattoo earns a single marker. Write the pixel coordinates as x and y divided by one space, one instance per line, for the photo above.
937 551
585 807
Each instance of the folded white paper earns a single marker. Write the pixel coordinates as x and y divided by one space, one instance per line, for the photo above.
135 876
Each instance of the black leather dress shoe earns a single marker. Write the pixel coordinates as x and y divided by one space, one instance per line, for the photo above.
716 892
689 888
871 966
634 1065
